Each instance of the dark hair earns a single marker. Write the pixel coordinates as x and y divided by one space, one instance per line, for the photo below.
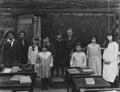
21 32
78 44
36 39
111 34
33 47
10 32
59 33
44 46
93 36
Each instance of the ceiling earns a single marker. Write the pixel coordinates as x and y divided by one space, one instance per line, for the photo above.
98 5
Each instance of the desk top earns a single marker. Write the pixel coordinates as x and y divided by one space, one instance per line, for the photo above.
5 82
79 71
99 82
21 70
101 90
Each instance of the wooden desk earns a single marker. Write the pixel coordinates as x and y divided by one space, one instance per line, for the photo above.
80 83
6 83
101 90
80 72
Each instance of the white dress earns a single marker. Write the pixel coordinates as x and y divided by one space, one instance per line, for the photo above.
33 55
110 54
94 58
78 59
46 62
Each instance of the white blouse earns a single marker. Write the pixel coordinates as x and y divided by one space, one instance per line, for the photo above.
78 59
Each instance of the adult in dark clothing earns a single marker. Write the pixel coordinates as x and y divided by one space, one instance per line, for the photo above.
24 47
70 44
10 50
50 47
60 54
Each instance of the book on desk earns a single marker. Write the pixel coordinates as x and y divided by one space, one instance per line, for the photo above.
13 69
21 78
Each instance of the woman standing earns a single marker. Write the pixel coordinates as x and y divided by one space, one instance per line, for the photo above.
94 56
110 57
46 62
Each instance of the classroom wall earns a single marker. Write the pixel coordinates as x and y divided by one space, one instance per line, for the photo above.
84 25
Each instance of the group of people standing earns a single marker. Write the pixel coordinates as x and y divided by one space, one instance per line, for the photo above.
63 53
94 58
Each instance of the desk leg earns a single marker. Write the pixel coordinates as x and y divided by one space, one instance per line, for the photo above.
67 88
31 90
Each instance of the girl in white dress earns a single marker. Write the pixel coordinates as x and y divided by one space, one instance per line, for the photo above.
46 62
78 58
33 53
94 56
110 57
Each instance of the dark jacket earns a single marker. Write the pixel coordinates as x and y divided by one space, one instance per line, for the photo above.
50 48
24 51
10 54
60 51
70 43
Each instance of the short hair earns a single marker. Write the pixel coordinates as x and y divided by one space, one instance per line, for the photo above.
59 34
69 29
21 32
109 34
78 44
10 32
93 36
35 39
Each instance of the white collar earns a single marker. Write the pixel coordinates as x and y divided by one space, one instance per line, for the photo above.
11 41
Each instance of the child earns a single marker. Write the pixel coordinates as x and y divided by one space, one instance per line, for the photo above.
51 48
46 62
94 56
78 58
10 50
60 54
33 53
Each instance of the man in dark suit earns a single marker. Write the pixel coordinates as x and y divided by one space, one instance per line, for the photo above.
70 44
10 50
24 47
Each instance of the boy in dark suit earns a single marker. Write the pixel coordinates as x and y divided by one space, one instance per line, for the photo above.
10 50
24 47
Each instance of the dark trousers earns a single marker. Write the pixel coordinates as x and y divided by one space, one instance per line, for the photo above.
45 83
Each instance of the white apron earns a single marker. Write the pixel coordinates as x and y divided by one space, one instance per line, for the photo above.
110 71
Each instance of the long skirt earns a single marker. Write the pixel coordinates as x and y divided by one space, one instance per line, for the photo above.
44 70
95 65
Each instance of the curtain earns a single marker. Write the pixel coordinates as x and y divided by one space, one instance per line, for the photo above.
37 28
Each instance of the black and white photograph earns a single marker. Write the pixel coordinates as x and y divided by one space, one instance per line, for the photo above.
59 45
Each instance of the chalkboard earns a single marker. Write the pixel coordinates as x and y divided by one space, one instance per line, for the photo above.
83 25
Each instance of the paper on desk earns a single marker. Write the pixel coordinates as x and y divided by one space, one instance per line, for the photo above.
73 71
25 79
86 70
89 80
7 70
21 78
15 78
15 69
